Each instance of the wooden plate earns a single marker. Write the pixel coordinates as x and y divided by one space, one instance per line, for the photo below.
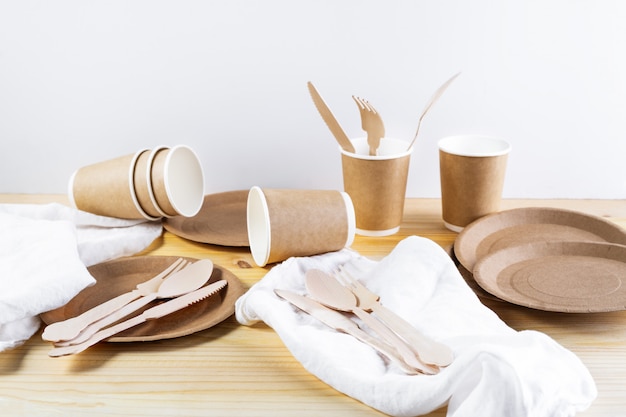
220 221
122 275
526 225
572 277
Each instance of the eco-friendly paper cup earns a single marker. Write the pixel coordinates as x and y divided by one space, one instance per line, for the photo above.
285 223
106 188
152 196
377 184
178 181
141 185
472 170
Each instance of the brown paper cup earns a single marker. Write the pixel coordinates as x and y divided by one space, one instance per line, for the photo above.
106 188
163 195
142 185
286 223
377 185
472 170
177 181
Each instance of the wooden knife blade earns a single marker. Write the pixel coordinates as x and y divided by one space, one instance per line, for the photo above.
330 120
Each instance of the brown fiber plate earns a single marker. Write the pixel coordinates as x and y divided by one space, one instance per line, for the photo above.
122 275
220 221
526 225
570 277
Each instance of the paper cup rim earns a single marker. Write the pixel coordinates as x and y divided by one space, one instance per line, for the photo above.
131 184
488 146
351 218
377 233
186 209
362 142
149 180
259 227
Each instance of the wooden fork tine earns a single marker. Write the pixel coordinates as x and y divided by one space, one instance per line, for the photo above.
358 102
353 282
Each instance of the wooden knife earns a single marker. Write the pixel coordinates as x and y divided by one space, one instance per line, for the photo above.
330 120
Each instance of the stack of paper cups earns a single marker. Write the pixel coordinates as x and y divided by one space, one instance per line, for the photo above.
149 184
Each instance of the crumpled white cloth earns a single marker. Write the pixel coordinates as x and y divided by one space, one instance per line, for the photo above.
497 371
44 254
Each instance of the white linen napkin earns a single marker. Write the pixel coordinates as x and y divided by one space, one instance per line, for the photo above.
497 371
44 254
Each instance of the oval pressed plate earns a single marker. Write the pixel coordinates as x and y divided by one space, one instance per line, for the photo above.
122 275
571 277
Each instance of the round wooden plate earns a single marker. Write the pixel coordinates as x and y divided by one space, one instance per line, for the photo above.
526 225
220 221
122 275
571 277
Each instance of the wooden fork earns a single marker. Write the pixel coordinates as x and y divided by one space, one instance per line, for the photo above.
429 351
371 122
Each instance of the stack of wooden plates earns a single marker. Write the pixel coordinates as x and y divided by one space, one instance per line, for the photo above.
548 259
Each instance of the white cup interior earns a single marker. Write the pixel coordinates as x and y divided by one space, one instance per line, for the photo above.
474 145
351 218
70 189
259 229
184 180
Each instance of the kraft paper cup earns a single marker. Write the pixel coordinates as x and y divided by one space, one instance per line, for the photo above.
178 181
106 188
472 170
285 223
151 195
141 185
377 184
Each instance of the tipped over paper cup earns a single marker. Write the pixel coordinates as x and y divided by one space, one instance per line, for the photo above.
127 187
472 170
377 185
284 223
177 181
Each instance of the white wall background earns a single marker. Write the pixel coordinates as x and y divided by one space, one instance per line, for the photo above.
83 81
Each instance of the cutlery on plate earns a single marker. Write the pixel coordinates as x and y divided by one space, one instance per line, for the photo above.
339 322
330 120
70 328
371 123
430 103
186 280
428 350
152 313
183 281
328 291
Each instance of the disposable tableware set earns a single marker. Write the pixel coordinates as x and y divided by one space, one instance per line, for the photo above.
167 184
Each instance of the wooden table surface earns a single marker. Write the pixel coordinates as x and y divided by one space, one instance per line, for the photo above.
234 370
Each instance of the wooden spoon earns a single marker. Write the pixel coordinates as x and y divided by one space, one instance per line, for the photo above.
329 292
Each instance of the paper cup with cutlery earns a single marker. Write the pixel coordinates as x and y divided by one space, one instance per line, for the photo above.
106 188
283 223
377 184
472 170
